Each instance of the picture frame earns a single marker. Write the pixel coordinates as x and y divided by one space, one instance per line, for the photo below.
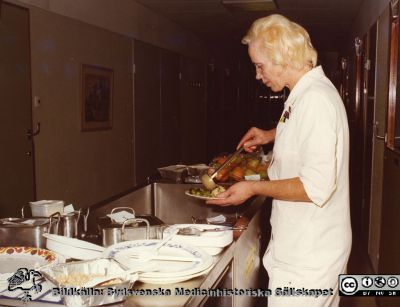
96 98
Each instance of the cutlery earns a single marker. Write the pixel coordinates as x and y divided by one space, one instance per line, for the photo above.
148 255
208 180
172 258
197 231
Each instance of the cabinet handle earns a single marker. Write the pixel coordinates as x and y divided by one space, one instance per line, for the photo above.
29 132
375 132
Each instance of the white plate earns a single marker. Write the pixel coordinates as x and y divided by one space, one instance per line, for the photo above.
171 280
13 258
201 197
121 251
73 248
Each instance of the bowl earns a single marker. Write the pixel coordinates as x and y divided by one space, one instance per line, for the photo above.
73 248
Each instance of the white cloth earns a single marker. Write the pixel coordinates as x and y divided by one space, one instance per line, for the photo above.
311 241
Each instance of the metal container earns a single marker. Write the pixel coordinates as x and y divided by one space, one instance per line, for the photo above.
24 231
141 227
67 224
45 208
175 173
102 267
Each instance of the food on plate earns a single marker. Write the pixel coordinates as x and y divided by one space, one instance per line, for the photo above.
207 193
218 190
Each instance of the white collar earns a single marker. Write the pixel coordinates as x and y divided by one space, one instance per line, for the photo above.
304 81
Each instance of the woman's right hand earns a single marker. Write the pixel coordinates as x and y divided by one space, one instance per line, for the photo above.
255 137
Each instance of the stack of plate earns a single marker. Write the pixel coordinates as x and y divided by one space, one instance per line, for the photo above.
165 269
213 242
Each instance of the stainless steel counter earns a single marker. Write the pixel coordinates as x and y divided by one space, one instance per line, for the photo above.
236 267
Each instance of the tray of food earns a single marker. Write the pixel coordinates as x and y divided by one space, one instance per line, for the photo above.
245 166
75 275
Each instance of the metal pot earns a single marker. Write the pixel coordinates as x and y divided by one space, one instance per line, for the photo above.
141 227
24 231
67 225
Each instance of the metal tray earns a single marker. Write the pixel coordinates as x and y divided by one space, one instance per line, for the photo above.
91 267
176 172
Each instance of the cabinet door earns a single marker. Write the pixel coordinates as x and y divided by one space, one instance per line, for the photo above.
147 110
16 155
170 104
193 111
389 253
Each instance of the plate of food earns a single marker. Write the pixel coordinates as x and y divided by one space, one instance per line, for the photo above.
202 193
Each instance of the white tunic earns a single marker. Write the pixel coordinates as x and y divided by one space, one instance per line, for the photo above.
311 241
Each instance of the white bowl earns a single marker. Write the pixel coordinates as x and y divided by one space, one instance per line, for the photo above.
211 242
73 248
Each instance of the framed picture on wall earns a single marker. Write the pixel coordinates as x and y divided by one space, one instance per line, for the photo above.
97 98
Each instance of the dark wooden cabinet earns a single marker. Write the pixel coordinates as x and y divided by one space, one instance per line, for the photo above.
193 111
389 253
146 110
169 108
170 119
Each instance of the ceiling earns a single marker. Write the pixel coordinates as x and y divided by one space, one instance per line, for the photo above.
328 21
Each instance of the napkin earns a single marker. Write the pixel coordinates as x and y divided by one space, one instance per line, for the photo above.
216 219
69 209
121 216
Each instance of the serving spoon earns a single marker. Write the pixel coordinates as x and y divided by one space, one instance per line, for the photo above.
208 180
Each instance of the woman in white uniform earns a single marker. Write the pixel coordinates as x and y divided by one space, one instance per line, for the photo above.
309 174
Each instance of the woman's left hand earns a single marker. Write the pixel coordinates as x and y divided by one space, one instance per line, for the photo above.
235 195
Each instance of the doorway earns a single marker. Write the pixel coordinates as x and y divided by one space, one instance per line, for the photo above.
17 186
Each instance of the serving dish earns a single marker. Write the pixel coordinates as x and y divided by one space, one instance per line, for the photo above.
213 242
60 274
73 248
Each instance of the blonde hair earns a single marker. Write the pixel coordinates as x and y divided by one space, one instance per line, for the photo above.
284 42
